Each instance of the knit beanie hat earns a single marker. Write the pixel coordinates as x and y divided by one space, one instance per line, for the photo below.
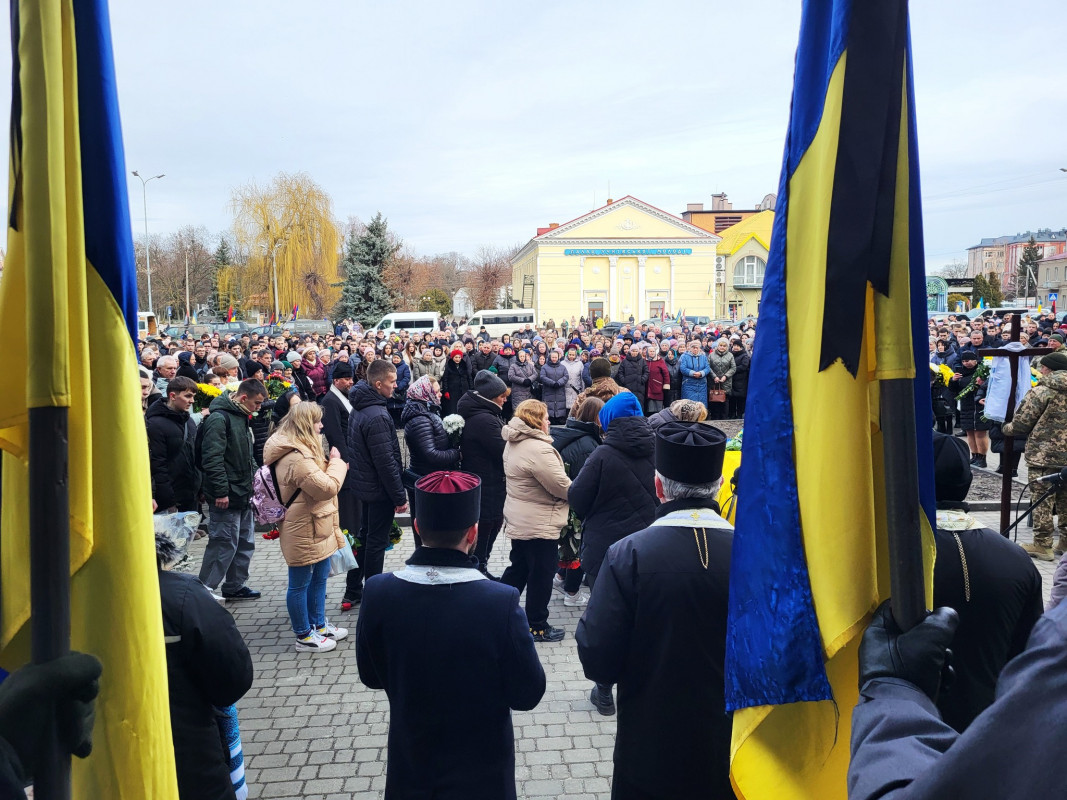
489 385
457 350
1055 361
599 368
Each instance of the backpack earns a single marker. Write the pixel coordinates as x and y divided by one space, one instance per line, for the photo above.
267 505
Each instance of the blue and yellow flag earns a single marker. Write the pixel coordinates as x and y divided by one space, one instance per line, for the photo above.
845 299
69 279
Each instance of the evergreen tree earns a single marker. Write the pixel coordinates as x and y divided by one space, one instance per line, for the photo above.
1027 276
995 298
364 295
219 305
980 290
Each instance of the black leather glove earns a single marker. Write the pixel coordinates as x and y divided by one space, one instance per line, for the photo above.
41 698
917 656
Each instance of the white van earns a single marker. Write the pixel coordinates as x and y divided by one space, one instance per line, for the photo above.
412 322
499 321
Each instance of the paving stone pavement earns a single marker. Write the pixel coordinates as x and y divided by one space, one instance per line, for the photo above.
311 730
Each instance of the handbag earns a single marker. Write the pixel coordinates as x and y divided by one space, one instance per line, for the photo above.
716 395
343 560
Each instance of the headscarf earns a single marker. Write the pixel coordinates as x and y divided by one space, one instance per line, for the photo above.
423 390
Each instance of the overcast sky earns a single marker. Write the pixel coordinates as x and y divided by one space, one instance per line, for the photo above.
471 123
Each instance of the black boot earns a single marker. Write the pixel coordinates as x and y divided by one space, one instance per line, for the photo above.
979 461
974 456
602 700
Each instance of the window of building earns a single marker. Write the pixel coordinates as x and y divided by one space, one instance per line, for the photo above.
749 271
656 308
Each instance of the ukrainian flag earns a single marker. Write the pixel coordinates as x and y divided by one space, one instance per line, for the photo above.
846 289
69 279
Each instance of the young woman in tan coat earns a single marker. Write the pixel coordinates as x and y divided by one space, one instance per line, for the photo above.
535 509
310 533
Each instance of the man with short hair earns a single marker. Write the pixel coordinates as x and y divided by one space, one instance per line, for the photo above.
439 606
336 410
166 370
374 451
171 451
673 737
224 453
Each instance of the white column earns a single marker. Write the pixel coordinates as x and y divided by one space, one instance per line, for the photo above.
613 288
581 287
640 312
670 294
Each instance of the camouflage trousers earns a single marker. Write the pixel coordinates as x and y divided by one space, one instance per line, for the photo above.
1054 503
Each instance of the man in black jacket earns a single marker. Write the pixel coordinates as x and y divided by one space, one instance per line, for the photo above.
482 447
440 606
374 453
224 453
208 667
656 627
336 410
171 452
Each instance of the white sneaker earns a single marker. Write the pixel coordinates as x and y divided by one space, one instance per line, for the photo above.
557 583
331 631
314 643
576 600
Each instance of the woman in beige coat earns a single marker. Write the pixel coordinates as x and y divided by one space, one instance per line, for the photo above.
310 533
535 509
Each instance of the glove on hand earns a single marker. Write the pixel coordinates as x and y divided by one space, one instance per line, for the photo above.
40 698
916 656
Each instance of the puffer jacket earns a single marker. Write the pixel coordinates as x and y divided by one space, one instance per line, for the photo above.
422 366
615 493
426 439
575 381
554 389
373 449
317 376
575 441
522 377
226 453
503 367
482 447
536 504
1043 416
694 388
633 375
740 380
172 457
722 366
604 388
311 530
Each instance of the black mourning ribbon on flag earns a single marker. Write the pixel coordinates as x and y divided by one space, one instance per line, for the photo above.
15 142
860 235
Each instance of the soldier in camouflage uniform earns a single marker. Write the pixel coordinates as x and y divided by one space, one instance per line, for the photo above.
1043 415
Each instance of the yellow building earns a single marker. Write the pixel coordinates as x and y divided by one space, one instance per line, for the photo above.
743 254
625 259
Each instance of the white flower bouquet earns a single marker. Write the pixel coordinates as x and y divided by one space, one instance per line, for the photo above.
454 428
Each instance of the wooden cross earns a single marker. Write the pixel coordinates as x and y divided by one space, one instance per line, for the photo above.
1006 457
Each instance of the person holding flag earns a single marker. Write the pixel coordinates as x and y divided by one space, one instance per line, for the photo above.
836 471
78 567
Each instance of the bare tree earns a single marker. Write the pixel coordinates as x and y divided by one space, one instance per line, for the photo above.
953 269
489 272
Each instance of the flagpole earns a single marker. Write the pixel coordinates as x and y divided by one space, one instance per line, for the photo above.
49 507
906 576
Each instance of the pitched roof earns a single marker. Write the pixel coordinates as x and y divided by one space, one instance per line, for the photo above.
757 227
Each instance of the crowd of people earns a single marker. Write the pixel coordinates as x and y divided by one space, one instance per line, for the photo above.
594 458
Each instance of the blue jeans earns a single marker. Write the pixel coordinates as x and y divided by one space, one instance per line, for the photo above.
306 596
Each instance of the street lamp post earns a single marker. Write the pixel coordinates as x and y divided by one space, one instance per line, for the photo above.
188 317
147 248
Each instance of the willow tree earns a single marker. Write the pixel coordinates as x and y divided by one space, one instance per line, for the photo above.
291 217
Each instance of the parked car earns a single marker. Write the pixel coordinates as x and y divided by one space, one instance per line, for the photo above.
303 326
231 328
196 331
267 330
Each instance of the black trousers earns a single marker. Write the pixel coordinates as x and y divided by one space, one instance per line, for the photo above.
533 563
487 533
411 510
373 539
737 406
350 515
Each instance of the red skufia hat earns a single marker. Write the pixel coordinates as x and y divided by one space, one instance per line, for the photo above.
448 500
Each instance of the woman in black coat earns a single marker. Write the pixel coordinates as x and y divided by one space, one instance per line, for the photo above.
739 388
615 493
482 449
633 373
456 382
670 358
425 436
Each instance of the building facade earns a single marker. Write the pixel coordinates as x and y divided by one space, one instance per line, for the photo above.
742 262
1001 255
1052 281
722 213
625 259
